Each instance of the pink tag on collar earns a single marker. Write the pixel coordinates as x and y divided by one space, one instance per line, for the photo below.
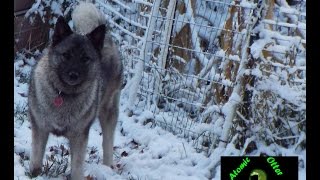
58 101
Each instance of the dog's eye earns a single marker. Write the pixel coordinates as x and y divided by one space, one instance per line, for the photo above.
85 59
66 55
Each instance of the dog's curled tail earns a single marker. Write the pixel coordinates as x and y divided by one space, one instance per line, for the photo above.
86 17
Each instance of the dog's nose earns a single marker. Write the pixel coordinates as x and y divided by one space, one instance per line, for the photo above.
73 75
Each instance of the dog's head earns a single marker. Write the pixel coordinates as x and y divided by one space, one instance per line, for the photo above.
74 58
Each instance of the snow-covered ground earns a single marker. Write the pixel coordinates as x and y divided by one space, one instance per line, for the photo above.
141 151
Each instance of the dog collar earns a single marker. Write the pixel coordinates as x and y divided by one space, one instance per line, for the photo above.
58 101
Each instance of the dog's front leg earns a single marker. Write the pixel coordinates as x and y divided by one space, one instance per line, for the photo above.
39 141
78 144
108 120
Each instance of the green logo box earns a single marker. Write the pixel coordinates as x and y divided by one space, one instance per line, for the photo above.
259 168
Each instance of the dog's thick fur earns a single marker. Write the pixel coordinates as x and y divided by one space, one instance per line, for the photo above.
82 70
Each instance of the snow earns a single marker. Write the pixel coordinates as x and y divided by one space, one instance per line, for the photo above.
122 29
179 22
268 21
174 156
120 15
234 57
179 59
34 8
300 61
194 34
287 9
122 4
247 4
56 8
278 49
142 2
101 172
256 72
295 96
257 47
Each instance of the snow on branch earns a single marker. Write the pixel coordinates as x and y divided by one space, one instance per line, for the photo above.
122 5
122 29
194 36
109 8
142 2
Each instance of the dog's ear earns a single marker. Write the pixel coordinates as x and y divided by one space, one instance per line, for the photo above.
97 37
61 31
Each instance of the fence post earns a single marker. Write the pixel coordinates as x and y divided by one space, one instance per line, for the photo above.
230 107
167 33
164 47
143 56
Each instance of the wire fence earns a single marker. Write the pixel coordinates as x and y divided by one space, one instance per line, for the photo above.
190 60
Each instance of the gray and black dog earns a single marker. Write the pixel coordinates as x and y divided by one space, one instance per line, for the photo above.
78 80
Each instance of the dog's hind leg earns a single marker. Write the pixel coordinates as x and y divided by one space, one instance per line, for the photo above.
108 116
78 145
39 141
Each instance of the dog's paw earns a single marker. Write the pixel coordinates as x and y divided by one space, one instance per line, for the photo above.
34 172
117 167
68 177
